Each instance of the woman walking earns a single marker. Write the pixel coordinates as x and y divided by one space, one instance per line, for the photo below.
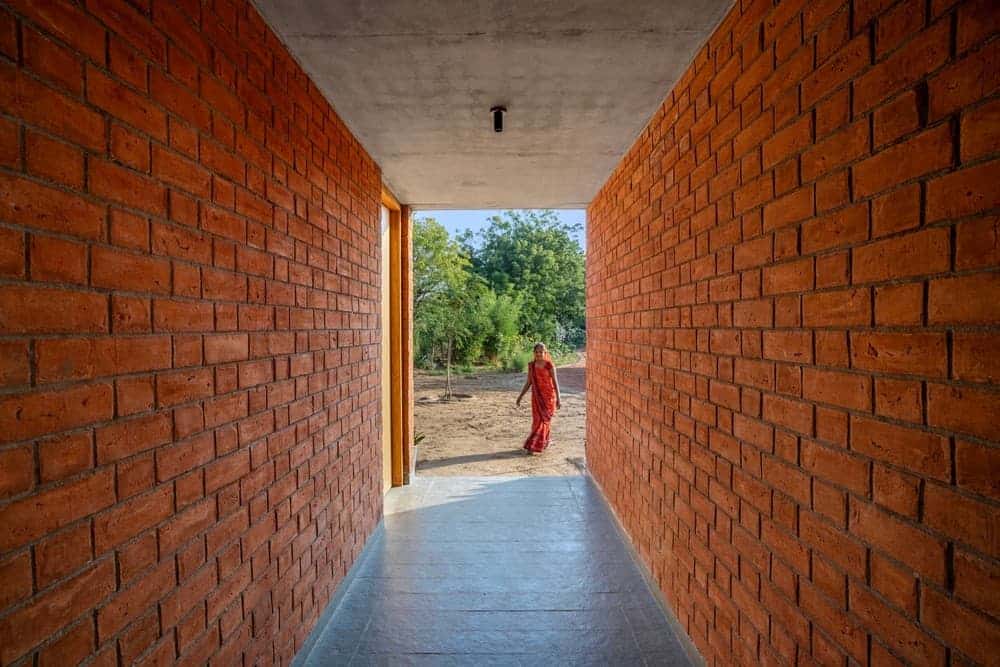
544 399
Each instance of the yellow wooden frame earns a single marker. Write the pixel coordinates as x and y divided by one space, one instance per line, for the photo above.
395 332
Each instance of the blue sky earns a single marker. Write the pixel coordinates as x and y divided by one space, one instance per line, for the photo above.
457 221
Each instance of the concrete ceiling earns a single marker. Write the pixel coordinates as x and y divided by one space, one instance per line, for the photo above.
415 80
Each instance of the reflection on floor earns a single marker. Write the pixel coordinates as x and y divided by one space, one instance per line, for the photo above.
495 571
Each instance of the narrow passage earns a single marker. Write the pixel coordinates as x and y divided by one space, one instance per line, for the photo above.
495 571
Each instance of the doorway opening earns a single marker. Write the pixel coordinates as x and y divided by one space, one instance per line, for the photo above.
488 286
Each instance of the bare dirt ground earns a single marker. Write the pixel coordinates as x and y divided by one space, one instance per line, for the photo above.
482 435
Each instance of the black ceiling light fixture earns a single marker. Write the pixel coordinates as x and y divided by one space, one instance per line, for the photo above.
498 113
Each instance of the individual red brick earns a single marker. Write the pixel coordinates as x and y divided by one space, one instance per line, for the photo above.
794 346
839 467
178 458
223 348
977 468
51 61
899 305
794 276
130 315
30 204
134 395
965 81
187 351
922 154
182 243
964 192
134 475
839 308
185 525
787 141
57 260
837 150
896 490
130 604
896 584
10 144
38 413
848 390
842 228
963 518
130 148
896 25
183 386
15 579
794 415
12 262
973 358
116 269
791 208
963 409
127 65
831 348
918 549
17 470
924 453
125 438
833 270
977 243
88 358
923 54
900 353
899 399
896 119
171 315
126 520
64 456
976 582
919 253
181 172
840 68
47 613
971 299
126 187
54 160
226 470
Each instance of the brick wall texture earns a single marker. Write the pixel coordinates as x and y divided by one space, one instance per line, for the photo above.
794 318
188 337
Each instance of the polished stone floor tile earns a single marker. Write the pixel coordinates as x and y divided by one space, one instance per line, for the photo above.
495 572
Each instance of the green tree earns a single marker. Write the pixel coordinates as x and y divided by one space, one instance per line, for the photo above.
439 263
533 254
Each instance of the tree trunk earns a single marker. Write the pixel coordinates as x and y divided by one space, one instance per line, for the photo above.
447 392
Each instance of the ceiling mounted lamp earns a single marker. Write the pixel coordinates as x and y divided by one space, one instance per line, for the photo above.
498 113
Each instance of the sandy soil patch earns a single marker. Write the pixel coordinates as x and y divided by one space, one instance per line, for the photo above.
482 435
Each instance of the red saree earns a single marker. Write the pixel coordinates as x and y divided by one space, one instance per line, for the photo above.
543 406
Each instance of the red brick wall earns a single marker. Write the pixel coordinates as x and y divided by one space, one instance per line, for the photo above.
188 336
794 335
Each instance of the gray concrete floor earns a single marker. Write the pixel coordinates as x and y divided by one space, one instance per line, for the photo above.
495 571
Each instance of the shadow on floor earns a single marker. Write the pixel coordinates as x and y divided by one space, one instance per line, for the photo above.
495 571
470 458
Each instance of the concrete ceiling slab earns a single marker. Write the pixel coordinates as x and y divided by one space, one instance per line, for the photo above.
415 80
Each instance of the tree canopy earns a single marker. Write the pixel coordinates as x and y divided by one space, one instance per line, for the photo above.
487 297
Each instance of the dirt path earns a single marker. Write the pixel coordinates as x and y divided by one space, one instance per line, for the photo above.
483 435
